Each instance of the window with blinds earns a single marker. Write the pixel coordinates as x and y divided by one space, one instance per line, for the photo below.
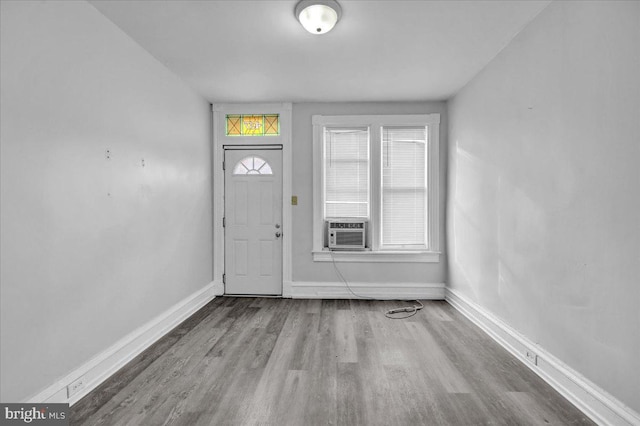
382 169
346 172
404 187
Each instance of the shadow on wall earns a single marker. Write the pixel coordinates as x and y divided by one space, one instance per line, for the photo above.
492 213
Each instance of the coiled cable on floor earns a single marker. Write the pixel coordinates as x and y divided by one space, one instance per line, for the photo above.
410 310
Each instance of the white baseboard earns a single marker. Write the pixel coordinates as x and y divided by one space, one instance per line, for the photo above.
381 291
105 364
595 402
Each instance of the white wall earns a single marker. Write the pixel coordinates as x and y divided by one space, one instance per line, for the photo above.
92 248
304 268
544 189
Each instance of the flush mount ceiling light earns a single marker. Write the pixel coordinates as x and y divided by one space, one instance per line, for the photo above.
318 16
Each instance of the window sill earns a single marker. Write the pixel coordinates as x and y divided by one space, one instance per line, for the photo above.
377 256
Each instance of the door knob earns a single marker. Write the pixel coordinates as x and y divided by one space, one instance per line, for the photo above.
278 235
277 226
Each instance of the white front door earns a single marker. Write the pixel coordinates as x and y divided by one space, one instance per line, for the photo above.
253 221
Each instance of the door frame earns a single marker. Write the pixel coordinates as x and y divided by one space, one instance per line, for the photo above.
252 150
220 140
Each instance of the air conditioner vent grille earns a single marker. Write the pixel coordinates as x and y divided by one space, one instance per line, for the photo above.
347 234
349 238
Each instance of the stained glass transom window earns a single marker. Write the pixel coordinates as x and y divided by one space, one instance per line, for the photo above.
252 166
253 125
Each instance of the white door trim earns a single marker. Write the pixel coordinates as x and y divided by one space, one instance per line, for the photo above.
219 141
253 282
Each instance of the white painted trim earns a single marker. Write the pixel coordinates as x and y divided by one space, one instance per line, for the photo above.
287 289
380 291
219 139
433 184
376 256
218 288
395 120
318 201
595 402
287 192
105 364
217 153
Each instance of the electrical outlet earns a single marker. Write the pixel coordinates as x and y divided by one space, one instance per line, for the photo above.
532 357
75 387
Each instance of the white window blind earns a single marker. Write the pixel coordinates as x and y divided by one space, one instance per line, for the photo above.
346 172
404 187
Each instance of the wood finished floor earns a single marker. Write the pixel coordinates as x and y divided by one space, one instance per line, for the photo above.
250 361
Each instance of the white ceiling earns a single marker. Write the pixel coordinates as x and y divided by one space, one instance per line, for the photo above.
256 51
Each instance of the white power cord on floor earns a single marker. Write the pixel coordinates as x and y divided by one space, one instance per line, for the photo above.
410 310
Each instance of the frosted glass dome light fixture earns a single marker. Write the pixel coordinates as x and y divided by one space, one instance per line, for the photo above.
318 16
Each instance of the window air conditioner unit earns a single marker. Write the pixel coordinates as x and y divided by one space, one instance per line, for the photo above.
347 234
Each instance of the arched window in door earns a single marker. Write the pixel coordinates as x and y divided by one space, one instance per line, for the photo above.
252 166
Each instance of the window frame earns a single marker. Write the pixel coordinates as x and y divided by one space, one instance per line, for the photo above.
375 123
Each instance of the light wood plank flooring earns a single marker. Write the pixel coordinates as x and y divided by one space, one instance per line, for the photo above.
253 361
